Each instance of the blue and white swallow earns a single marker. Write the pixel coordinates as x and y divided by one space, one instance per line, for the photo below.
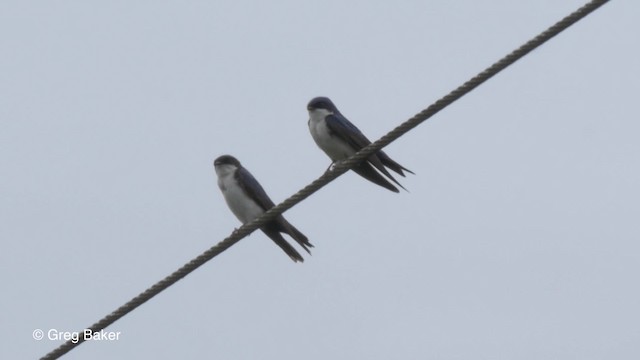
248 200
340 139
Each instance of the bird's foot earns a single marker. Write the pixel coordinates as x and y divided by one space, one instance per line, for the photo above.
333 165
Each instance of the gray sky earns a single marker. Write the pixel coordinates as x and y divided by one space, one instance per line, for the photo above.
518 238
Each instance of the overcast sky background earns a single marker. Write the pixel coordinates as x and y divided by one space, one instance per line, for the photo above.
519 237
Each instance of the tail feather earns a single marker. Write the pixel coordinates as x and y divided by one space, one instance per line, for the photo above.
299 237
377 163
277 238
368 172
391 164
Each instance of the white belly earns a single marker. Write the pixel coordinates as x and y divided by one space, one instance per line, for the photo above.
333 146
244 208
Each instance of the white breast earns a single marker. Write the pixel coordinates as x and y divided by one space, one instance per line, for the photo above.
243 207
334 147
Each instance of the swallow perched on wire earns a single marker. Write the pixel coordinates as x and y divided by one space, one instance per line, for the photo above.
340 139
248 200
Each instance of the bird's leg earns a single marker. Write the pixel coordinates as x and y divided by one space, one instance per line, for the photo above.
333 165
330 167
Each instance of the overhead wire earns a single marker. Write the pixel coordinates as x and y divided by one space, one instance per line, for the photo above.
329 176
